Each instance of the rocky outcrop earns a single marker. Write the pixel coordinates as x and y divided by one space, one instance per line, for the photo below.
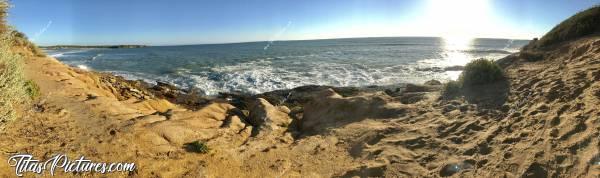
123 89
267 118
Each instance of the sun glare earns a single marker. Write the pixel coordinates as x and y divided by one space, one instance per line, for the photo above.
455 48
458 18
458 22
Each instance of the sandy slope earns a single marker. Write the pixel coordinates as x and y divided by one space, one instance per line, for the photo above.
543 122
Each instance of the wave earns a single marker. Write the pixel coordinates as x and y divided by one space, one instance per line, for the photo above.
487 51
63 53
263 75
84 67
222 68
403 44
57 55
96 56
266 75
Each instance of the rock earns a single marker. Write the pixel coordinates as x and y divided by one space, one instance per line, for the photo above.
134 90
266 117
432 69
416 88
234 122
454 68
393 93
164 85
449 170
168 113
410 98
432 82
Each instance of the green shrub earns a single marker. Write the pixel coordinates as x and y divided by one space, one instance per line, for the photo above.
481 71
584 23
197 147
451 89
33 90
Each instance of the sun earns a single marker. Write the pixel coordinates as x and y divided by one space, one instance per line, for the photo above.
454 19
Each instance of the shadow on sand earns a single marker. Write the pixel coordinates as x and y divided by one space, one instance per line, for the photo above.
488 96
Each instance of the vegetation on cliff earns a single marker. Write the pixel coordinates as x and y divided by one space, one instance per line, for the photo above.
481 71
476 72
581 24
23 46
94 46
14 88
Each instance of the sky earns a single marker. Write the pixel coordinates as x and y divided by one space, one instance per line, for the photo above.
171 22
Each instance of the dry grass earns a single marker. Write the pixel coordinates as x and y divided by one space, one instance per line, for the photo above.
14 88
12 81
19 40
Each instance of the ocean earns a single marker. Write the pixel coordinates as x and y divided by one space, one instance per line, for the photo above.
257 67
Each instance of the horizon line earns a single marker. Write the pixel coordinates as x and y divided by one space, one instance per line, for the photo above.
266 41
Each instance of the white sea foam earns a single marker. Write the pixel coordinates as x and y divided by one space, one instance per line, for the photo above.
265 75
57 55
97 55
84 67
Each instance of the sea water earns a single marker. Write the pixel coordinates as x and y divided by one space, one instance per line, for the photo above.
257 67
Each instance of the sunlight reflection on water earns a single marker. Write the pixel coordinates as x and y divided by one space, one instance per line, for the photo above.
455 50
455 53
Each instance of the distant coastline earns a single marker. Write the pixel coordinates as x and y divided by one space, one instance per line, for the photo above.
94 46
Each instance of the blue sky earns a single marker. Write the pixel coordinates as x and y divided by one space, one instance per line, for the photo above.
170 22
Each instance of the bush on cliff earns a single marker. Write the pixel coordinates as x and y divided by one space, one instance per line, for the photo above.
197 147
476 72
32 89
481 71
